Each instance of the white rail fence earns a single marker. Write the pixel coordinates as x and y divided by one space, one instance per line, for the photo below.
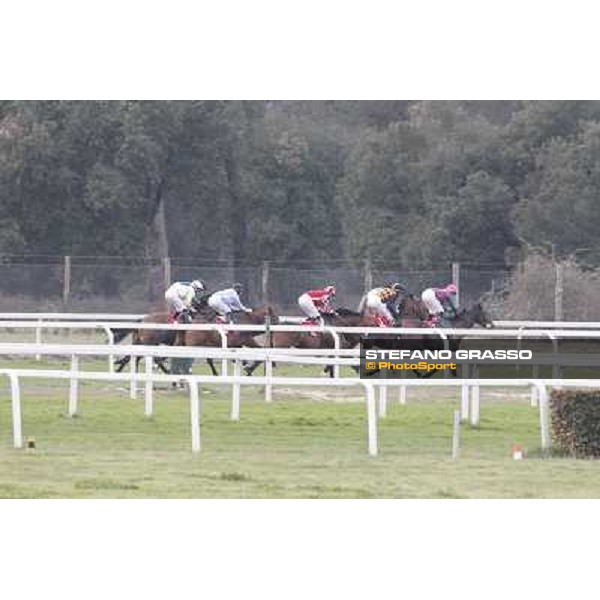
57 316
334 332
470 387
470 395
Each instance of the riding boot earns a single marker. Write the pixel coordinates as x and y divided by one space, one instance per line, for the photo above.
185 317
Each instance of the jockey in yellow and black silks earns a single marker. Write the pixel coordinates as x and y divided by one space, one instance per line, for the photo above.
383 302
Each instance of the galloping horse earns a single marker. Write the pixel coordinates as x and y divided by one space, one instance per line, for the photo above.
156 337
148 337
321 340
464 319
410 307
235 339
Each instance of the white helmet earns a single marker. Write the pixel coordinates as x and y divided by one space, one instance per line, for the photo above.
198 285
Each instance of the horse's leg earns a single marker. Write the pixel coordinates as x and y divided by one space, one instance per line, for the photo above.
211 364
161 364
121 363
249 342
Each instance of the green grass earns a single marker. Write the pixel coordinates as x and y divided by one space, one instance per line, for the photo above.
308 443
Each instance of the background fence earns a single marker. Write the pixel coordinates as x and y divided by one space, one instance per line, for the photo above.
137 284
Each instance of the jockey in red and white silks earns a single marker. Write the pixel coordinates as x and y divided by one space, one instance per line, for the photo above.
180 296
314 303
226 301
438 300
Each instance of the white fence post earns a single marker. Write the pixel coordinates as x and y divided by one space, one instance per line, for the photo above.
111 341
544 416
382 401
336 344
474 408
235 400
148 401
195 415
73 386
456 434
371 420
464 404
224 346
132 382
402 394
38 337
15 399
534 389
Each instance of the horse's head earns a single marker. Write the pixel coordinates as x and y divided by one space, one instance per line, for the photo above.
476 315
483 318
200 301
413 308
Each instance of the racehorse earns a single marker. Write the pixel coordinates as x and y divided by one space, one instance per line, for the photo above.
409 307
464 319
147 337
343 317
156 337
235 339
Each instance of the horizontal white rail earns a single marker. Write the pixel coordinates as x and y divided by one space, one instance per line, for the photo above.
548 324
121 317
24 316
290 355
375 331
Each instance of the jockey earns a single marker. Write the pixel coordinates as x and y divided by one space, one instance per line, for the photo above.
315 303
226 301
383 303
439 301
180 299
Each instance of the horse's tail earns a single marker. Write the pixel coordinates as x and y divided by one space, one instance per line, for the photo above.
120 334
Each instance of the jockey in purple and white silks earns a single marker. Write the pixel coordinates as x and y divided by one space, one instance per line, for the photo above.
180 297
226 301
438 301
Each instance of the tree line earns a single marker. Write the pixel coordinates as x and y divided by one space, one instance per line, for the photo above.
412 183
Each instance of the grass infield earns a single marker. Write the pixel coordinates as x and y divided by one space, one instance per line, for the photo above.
308 443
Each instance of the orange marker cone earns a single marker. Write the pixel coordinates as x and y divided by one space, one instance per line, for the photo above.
517 451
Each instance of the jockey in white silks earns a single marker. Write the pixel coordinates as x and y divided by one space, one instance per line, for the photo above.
382 303
180 297
226 301
438 301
